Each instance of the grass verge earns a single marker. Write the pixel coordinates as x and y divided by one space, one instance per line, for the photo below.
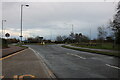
38 44
93 51
108 46
21 46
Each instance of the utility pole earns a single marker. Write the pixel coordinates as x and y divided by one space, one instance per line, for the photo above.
3 26
72 33
21 23
51 35
90 35
72 29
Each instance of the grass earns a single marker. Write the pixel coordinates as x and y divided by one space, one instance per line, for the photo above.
4 46
21 46
29 43
38 44
93 51
108 46
3 43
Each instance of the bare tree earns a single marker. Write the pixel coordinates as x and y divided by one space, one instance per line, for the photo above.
115 25
59 38
102 33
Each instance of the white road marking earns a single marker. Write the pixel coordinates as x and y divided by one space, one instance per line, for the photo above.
76 55
43 61
112 66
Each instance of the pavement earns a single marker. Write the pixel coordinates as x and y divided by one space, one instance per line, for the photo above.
68 63
24 63
10 50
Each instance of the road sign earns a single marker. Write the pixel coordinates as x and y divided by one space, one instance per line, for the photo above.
7 35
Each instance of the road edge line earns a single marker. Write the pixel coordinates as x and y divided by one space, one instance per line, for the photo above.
51 74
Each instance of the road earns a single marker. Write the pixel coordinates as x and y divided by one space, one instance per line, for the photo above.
67 63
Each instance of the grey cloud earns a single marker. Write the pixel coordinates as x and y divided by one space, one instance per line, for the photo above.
53 16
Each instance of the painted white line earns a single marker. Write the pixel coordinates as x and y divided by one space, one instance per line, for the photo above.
112 66
76 55
43 61
33 50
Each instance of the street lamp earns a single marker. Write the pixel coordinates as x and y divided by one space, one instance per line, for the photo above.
2 26
21 19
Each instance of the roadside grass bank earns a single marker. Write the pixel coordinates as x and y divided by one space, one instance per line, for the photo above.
108 46
29 43
38 44
93 51
3 43
21 46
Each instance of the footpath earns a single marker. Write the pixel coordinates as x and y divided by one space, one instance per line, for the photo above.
10 50
23 63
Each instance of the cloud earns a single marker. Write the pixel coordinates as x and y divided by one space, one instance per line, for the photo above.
43 18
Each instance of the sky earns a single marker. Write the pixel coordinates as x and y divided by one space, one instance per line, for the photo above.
50 19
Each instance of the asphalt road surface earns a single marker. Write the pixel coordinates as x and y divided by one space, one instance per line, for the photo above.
67 63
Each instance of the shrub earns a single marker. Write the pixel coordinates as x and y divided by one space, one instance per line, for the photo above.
4 43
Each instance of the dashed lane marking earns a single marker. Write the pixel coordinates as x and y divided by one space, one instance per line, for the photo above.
76 55
112 66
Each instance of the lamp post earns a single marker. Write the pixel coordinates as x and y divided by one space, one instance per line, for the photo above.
2 26
21 20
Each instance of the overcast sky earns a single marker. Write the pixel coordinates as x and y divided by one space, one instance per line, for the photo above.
49 19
